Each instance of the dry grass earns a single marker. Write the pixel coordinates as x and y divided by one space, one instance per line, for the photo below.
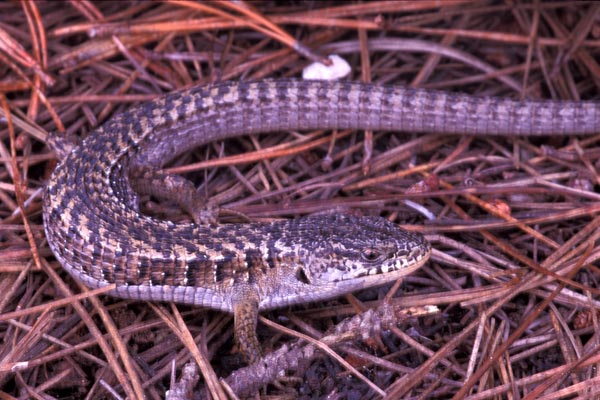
513 221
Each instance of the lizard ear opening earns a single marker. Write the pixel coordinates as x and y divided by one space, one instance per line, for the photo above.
301 276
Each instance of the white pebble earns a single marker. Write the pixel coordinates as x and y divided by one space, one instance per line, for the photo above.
318 71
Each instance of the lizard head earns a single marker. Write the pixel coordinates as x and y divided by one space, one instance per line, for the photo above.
350 253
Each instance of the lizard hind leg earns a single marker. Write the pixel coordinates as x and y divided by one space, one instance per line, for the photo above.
149 181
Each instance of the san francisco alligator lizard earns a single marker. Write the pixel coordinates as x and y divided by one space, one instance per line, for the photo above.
97 233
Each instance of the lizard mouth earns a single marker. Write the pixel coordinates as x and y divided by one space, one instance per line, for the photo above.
373 272
385 274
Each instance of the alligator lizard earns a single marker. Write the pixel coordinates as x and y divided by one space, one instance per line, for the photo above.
97 233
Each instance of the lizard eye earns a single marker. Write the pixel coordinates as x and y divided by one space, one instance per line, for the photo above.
371 255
